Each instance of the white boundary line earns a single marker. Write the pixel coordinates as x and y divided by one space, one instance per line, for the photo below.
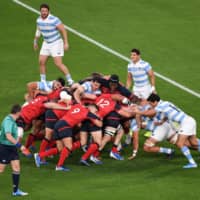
182 87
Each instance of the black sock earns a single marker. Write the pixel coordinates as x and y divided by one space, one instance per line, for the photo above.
15 179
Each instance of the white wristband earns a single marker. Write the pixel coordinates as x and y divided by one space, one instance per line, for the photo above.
35 41
153 88
37 33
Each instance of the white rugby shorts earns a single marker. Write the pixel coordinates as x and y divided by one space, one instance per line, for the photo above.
142 92
188 126
53 49
163 132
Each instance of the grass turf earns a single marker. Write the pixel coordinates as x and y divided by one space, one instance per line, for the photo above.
166 32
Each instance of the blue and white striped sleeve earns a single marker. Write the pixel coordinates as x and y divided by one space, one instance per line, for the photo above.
147 67
57 21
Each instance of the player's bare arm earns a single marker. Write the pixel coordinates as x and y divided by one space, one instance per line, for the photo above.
152 80
61 28
52 105
35 41
129 80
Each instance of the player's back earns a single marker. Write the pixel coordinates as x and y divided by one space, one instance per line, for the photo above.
171 111
75 115
60 113
34 109
105 104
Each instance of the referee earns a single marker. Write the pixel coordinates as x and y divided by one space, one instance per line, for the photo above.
9 146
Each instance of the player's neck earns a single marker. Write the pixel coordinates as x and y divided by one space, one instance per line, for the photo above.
136 61
43 18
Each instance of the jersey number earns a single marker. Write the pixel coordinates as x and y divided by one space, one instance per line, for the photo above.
103 103
76 110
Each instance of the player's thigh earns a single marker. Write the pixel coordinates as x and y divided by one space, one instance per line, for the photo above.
97 136
150 142
59 145
48 133
181 140
193 140
15 165
44 51
43 59
67 141
83 137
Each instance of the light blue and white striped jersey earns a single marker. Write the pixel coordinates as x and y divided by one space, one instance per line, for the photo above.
170 111
48 28
139 72
88 88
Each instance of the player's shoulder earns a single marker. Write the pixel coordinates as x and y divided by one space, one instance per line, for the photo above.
143 63
38 19
53 18
163 104
7 120
130 64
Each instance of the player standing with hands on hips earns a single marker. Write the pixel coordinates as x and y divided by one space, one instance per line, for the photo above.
8 147
51 28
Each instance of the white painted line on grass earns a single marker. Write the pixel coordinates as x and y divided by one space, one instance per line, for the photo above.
182 87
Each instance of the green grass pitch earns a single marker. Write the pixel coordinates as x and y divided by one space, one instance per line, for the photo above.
167 32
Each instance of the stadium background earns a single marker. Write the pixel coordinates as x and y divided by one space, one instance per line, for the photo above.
167 32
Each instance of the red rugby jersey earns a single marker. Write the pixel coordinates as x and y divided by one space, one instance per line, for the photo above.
34 109
75 115
60 113
106 104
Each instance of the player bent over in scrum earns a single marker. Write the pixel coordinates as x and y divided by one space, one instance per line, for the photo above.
187 130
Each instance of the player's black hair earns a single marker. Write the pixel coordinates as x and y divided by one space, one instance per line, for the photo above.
137 51
153 97
114 78
61 80
96 79
44 5
15 109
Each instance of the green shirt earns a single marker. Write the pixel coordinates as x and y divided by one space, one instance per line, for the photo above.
8 126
